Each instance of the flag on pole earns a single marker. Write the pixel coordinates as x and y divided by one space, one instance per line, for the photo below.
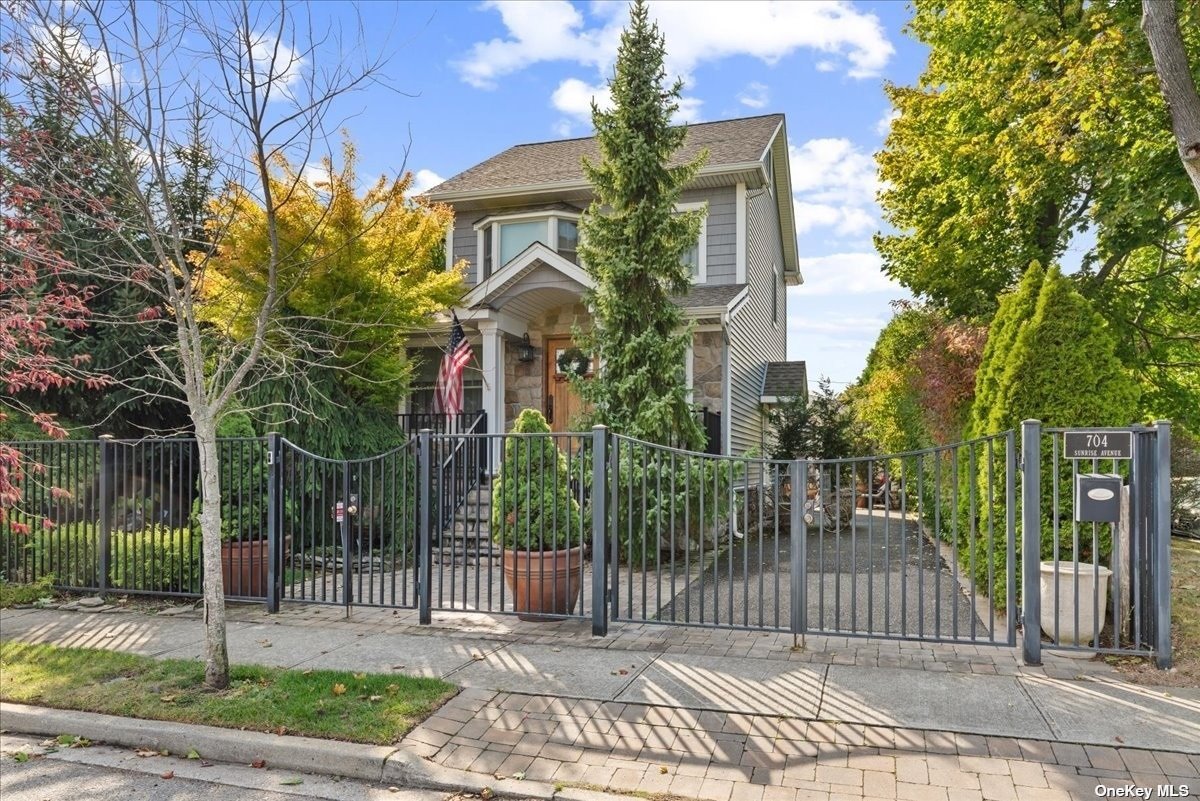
448 391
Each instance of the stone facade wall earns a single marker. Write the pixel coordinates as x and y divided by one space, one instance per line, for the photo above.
524 384
707 369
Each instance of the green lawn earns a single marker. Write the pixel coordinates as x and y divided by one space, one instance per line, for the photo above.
360 707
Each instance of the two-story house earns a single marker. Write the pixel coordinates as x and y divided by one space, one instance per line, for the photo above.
517 227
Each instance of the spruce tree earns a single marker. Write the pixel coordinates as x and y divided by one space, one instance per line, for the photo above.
633 242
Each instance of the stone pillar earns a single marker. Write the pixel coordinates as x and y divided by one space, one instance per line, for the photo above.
492 361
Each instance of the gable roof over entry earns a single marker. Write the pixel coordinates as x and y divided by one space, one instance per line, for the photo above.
784 380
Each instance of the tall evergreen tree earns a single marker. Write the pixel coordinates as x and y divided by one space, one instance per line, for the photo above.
633 241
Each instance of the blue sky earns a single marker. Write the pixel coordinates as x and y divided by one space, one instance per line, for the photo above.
477 78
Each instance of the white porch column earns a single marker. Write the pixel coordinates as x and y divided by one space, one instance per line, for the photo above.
492 361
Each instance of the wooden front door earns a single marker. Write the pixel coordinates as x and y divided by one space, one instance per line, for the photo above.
563 405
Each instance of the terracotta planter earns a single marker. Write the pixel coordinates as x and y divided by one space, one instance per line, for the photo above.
543 583
244 568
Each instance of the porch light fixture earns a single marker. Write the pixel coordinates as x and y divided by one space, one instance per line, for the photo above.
525 352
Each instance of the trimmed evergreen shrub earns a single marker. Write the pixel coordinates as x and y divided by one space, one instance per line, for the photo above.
156 559
532 506
1060 367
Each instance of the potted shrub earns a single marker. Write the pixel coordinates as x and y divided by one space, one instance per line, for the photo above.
534 519
243 508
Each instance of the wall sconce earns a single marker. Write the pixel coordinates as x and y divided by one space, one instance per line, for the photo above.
525 351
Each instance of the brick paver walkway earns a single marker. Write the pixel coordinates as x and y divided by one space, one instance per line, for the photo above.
731 757
657 638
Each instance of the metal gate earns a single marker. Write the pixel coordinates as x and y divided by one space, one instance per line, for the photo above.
919 546
914 546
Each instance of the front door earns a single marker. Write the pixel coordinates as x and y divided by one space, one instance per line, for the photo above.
563 405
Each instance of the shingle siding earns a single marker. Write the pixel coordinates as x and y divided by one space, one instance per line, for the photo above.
721 253
755 338
466 244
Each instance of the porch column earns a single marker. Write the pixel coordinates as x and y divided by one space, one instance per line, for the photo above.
492 360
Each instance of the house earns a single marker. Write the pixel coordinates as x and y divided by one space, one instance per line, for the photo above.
516 226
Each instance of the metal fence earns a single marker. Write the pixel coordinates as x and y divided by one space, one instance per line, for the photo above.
920 546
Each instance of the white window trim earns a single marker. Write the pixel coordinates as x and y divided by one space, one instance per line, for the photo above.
495 222
701 276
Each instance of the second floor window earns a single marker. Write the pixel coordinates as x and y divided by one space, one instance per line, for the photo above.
695 256
516 236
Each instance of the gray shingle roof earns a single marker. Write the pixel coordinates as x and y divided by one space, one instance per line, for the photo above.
702 297
728 141
785 379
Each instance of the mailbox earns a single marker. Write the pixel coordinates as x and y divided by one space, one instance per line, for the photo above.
1097 498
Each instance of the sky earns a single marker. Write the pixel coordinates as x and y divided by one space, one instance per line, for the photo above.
466 80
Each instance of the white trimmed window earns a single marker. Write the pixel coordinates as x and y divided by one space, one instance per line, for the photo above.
502 238
696 257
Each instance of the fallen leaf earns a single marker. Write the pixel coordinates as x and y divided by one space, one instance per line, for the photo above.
662 769
339 689
193 754
145 752
282 730
306 672
204 763
359 676
623 672
21 756
265 643
168 699
375 698
478 657
170 774
292 781
393 789
397 667
519 775
486 793
1120 739
258 763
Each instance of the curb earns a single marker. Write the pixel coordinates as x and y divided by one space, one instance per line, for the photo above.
374 763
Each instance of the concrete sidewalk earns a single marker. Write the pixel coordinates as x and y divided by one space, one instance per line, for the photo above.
973 690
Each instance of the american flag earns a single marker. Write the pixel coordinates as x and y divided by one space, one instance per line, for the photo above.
448 391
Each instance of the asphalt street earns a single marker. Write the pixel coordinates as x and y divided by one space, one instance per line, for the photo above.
106 773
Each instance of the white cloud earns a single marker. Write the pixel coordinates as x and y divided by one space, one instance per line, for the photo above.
835 324
423 181
835 185
574 97
884 126
562 128
845 274
755 95
316 174
825 65
59 42
276 65
696 32
844 220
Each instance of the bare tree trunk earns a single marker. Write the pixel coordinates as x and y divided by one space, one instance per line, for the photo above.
216 649
1160 22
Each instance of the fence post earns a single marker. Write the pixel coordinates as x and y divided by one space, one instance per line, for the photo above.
599 497
1162 544
1031 540
424 519
798 542
274 523
106 490
1010 531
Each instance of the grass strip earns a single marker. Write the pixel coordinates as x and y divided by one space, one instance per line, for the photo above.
334 704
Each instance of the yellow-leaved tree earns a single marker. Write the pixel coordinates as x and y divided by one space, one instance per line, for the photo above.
357 274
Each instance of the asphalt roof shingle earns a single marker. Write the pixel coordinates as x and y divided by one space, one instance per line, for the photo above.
728 142
785 379
702 297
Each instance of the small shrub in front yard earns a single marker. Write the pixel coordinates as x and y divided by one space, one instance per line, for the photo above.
12 594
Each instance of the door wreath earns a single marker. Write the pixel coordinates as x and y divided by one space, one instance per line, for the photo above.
573 362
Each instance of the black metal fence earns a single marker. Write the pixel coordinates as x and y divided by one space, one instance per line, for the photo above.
920 545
